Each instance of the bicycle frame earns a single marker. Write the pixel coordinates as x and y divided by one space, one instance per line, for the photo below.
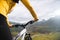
22 33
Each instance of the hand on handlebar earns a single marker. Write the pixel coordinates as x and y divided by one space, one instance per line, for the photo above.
32 21
16 25
23 25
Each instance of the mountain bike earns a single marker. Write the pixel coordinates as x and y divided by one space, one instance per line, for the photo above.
24 34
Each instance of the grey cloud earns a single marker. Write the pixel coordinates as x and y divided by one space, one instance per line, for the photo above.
43 7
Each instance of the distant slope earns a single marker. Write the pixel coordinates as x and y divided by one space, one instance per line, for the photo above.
51 25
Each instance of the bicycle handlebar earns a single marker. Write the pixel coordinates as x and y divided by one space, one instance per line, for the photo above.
31 22
23 25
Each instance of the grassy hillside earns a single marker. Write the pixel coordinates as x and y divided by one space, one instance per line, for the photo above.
51 36
41 33
39 36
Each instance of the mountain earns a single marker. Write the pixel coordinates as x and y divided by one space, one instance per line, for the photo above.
51 25
54 21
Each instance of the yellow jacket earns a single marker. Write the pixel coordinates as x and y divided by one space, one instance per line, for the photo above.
7 5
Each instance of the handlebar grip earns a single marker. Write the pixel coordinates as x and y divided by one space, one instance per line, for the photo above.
31 22
17 25
23 25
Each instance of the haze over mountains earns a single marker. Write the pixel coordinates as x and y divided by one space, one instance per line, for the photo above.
54 22
51 25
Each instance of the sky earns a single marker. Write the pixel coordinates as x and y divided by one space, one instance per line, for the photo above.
45 9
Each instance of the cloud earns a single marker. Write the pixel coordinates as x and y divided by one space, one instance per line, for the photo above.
43 8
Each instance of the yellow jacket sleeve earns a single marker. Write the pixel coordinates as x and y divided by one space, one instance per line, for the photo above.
30 8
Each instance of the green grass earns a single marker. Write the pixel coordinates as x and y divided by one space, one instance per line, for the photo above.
14 33
38 36
51 36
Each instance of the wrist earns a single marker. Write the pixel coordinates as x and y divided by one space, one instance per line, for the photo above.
36 19
10 26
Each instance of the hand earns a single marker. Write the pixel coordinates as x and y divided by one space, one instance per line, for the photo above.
31 22
36 19
10 26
